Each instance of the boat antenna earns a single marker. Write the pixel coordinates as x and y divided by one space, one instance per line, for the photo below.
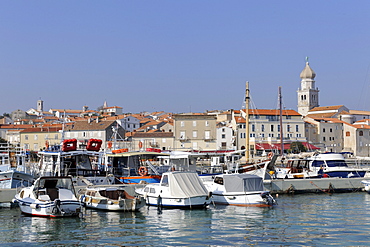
247 98
281 123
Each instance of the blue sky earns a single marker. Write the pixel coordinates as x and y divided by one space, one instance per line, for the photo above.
181 56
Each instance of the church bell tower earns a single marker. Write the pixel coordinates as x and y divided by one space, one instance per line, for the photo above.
308 94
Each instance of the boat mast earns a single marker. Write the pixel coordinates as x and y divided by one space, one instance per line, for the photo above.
281 123
247 121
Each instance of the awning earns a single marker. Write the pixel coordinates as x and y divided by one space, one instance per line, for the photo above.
267 146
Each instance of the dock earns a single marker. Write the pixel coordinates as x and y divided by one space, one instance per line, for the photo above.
314 185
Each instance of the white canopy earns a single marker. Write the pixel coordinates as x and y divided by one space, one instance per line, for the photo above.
185 184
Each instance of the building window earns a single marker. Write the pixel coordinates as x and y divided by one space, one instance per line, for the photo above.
207 123
26 137
272 128
361 133
35 146
195 145
223 136
253 128
331 130
262 127
56 137
323 130
35 137
324 139
348 133
163 140
297 128
223 129
278 127
194 123
182 124
288 128
182 135
195 134
207 134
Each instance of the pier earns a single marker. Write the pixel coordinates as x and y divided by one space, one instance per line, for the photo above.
314 185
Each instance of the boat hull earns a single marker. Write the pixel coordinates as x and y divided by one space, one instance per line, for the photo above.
186 203
70 208
243 199
15 179
113 205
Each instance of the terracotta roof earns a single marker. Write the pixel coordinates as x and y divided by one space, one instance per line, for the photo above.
38 129
357 112
326 108
152 134
16 126
322 115
93 125
240 120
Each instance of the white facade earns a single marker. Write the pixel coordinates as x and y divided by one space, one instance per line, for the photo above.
308 94
225 138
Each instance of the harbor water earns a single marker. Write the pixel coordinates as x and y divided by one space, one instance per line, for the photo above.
299 220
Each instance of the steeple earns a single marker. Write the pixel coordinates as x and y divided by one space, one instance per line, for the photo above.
308 94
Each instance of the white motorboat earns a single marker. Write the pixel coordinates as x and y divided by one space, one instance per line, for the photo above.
320 165
111 199
239 190
177 190
49 197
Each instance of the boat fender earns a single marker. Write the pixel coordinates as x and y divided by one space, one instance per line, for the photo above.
34 206
159 202
209 196
82 198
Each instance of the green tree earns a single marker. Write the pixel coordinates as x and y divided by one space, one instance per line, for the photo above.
297 147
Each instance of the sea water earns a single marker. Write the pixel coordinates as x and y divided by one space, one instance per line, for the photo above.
299 220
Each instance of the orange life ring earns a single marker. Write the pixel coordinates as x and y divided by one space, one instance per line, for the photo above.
143 171
270 155
140 144
109 144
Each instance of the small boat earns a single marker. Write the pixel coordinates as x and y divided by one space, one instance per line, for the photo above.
111 199
239 190
177 190
49 197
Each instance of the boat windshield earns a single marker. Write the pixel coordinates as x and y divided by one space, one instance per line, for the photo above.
336 163
60 183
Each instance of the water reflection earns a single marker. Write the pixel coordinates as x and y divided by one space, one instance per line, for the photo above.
311 219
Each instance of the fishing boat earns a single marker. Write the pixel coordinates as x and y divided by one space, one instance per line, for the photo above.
84 164
239 190
49 197
111 199
177 190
